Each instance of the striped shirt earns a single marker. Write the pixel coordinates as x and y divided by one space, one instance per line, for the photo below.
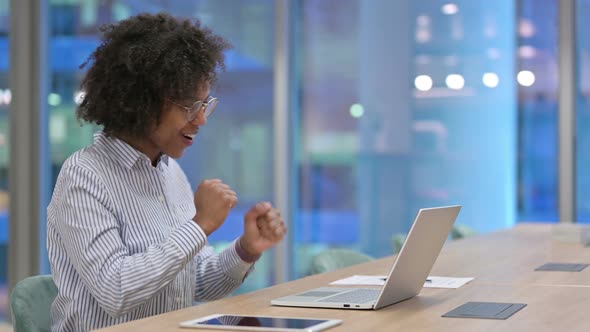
122 243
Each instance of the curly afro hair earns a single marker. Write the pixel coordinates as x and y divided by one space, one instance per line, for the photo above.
142 61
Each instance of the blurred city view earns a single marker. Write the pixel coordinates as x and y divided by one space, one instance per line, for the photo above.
400 105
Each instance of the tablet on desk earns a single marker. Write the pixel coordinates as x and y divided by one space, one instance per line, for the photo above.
261 323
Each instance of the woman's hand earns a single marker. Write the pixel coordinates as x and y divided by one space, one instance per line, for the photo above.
213 201
263 228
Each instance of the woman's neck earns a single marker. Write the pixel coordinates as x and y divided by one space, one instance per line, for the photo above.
142 146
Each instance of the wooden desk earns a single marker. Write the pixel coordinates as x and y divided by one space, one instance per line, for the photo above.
554 302
511 256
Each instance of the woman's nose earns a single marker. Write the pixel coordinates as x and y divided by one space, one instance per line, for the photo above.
200 120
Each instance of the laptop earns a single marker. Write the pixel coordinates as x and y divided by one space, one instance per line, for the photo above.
428 234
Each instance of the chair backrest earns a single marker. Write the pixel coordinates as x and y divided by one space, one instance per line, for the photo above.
462 231
397 241
457 232
334 259
30 303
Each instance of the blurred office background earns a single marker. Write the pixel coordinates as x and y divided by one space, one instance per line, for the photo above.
391 106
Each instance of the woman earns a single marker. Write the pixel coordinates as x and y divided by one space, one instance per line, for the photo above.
126 236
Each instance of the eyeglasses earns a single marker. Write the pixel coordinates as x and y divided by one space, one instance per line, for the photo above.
207 107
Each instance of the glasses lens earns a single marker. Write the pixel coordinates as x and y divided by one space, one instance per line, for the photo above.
194 110
197 107
211 106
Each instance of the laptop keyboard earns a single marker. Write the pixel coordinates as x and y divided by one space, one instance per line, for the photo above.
360 295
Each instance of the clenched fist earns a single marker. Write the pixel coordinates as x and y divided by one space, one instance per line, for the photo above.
263 228
213 201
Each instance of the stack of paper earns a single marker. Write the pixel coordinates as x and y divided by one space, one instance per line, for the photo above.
431 281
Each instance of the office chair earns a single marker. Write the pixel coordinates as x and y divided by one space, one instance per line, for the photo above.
334 259
30 303
457 232
397 241
461 232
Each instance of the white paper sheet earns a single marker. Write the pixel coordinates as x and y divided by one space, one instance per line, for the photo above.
431 281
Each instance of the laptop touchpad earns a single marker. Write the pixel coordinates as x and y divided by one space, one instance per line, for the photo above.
317 294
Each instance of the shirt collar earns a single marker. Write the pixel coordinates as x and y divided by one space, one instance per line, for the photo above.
121 152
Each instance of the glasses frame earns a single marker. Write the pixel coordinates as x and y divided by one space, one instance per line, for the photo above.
199 106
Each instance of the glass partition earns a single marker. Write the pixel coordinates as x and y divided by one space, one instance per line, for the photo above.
582 147
403 105
5 97
538 79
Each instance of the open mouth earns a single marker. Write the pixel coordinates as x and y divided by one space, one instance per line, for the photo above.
190 137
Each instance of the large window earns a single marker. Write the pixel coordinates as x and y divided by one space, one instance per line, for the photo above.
235 144
5 97
583 113
403 105
400 105
537 78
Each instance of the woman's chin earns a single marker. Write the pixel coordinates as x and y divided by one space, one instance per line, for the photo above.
176 154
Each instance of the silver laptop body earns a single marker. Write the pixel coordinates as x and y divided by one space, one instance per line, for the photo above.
426 238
